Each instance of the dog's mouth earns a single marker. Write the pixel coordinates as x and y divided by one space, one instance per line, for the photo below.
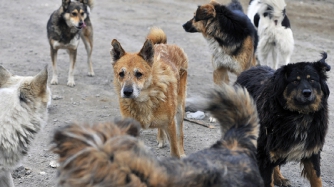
81 25
188 27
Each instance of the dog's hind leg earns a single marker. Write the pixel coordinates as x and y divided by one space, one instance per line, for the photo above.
312 170
53 53
161 138
87 38
279 179
172 137
6 179
275 58
220 76
73 56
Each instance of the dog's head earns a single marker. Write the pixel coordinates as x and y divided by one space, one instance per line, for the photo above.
202 17
273 9
302 86
75 13
132 71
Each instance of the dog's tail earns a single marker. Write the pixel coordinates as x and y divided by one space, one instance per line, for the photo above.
157 36
105 154
235 5
237 114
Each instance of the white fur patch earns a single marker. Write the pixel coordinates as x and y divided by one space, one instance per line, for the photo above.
73 44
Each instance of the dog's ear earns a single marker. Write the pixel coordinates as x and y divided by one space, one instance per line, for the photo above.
147 52
279 80
129 126
66 3
117 51
83 1
322 67
4 75
40 80
205 12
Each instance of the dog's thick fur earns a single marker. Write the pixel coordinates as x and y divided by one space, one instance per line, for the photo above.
273 27
64 28
23 111
151 85
110 154
293 112
231 37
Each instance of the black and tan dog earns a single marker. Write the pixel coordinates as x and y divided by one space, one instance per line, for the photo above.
65 27
293 112
230 34
111 154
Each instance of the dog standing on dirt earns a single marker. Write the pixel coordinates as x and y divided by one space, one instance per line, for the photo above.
65 27
151 85
273 27
110 154
231 36
23 112
293 112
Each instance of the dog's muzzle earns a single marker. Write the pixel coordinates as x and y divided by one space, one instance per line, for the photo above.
82 25
127 92
188 27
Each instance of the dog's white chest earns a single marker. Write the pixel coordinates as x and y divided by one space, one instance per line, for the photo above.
73 44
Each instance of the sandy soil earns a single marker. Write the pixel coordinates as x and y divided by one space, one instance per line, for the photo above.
24 50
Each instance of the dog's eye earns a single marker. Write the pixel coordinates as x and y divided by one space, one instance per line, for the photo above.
121 74
74 14
312 80
82 14
138 74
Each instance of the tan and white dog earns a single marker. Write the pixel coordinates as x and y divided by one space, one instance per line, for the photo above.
23 111
151 85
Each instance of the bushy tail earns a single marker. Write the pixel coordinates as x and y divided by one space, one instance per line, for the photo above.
157 36
235 5
237 114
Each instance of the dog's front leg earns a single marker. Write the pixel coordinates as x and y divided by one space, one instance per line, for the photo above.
73 56
53 53
312 170
267 173
6 179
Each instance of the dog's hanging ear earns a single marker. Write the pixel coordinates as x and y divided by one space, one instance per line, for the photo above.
129 126
40 80
4 75
117 51
205 12
65 4
147 52
279 80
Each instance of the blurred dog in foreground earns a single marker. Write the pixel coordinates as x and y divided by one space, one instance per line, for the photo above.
110 154
151 87
23 111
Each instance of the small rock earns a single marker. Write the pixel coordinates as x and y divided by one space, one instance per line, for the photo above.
196 115
54 164
42 173
56 97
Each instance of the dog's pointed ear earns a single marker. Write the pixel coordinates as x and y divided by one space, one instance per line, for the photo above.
321 64
128 126
83 1
147 52
66 3
117 51
205 12
40 80
4 75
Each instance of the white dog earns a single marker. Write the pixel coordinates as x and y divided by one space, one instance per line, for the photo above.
23 111
275 34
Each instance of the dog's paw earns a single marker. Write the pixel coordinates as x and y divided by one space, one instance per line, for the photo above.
54 81
71 83
212 119
91 74
161 144
282 182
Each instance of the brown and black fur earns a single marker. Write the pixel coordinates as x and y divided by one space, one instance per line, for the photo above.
64 29
111 155
293 112
230 34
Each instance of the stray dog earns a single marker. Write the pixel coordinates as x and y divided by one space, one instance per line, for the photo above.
151 86
65 27
276 37
23 112
231 37
293 112
110 154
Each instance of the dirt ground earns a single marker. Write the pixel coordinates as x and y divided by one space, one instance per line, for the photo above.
24 50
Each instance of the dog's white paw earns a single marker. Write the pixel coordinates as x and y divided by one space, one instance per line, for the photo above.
71 83
54 81
161 144
212 120
91 74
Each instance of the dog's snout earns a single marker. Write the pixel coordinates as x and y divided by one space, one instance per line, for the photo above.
188 27
127 91
80 23
307 92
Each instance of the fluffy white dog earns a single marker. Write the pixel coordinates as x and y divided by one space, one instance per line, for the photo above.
273 27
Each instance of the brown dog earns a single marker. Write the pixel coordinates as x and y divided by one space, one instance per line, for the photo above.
110 154
151 85
230 34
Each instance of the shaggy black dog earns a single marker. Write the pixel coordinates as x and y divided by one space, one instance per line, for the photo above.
293 112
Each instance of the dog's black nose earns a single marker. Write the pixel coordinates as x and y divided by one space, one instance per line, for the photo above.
80 24
127 91
307 92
